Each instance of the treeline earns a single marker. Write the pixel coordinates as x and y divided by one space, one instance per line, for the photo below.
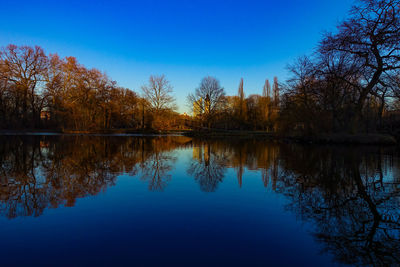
350 84
46 91
212 108
39 91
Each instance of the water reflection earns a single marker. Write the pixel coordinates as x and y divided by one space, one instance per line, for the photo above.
351 196
49 171
208 166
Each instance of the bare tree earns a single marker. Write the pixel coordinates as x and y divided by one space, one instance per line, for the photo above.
159 93
208 99
265 104
24 67
266 89
241 101
275 89
371 36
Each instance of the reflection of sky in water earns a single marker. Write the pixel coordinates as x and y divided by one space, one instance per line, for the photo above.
235 223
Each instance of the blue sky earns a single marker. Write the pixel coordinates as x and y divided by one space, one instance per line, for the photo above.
185 40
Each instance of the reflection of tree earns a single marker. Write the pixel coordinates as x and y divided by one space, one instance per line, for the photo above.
239 154
38 172
208 168
351 196
156 170
355 209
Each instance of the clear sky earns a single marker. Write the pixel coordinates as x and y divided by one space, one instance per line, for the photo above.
185 40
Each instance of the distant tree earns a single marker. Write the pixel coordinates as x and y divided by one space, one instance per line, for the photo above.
241 103
208 99
240 90
124 109
54 93
299 105
265 104
23 68
255 111
266 89
275 89
159 93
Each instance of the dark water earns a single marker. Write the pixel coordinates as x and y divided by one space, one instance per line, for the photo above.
92 200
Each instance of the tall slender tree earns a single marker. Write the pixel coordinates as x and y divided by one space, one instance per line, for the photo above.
275 89
266 89
241 101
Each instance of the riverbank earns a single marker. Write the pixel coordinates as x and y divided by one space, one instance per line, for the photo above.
351 139
226 134
354 139
86 132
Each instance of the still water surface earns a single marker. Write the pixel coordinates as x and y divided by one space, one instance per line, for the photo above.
96 200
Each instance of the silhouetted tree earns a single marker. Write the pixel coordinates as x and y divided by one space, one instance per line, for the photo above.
23 69
370 37
208 99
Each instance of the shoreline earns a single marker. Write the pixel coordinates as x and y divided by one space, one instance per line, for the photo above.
339 139
344 139
94 132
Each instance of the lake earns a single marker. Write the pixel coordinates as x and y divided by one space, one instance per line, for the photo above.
178 201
